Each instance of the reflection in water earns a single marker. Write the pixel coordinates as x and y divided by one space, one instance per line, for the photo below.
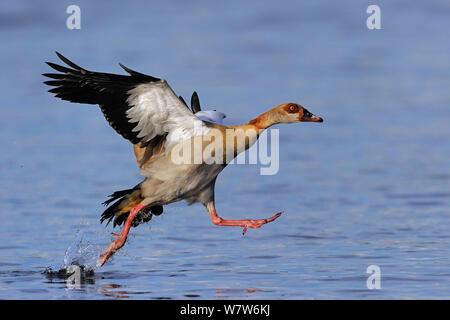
119 294
75 277
227 293
80 279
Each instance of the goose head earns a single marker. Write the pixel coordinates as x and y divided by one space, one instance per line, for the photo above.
293 112
285 113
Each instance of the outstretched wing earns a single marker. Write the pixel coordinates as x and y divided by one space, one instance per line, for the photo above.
139 107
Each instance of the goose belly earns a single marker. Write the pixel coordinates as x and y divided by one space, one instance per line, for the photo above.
179 182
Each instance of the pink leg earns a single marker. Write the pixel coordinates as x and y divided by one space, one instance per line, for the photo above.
122 238
245 223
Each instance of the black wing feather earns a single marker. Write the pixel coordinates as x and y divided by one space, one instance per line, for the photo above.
195 103
109 91
182 100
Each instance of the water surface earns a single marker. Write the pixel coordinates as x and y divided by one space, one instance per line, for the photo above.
371 185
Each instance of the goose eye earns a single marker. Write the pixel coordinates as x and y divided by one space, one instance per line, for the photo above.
292 108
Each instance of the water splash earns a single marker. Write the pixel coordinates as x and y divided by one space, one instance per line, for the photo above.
80 260
82 252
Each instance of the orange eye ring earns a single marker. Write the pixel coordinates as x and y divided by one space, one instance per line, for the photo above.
292 108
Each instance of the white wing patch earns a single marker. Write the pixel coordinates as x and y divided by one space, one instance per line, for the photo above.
157 110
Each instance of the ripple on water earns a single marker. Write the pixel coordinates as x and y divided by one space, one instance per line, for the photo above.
425 203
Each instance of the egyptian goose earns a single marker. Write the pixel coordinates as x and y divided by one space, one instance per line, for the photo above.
146 111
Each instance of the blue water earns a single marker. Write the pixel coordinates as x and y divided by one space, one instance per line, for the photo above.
369 186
